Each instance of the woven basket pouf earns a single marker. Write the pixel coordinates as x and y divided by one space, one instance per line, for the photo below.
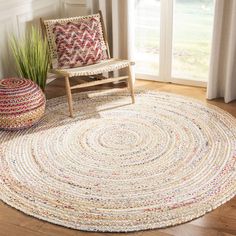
22 103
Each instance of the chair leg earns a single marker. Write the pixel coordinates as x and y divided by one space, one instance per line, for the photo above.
69 96
130 84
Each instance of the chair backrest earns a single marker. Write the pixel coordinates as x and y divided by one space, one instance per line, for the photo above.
84 34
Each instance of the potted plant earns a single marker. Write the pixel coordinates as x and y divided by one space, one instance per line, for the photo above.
31 56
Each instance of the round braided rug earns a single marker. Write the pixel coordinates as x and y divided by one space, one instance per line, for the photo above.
121 167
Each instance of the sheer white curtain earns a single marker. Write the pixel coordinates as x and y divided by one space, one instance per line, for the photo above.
222 79
118 18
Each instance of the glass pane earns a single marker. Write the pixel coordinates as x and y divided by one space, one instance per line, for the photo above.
193 23
147 36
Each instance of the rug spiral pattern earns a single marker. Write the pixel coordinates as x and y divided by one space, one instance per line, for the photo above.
121 167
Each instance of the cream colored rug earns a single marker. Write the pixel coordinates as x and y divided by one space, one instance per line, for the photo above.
121 167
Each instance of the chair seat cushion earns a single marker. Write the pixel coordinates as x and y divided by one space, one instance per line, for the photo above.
101 67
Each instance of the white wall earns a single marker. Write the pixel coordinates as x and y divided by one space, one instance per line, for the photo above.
73 8
17 15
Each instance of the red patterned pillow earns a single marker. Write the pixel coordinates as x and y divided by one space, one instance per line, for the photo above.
79 42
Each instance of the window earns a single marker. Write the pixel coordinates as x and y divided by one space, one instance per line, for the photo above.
147 34
173 39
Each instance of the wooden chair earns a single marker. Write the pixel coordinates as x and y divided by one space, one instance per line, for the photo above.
96 70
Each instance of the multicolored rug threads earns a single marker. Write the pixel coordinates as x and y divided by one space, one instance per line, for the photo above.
22 103
120 167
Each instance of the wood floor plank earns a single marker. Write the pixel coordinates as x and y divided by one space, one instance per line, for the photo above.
15 217
54 230
9 229
220 222
154 233
189 229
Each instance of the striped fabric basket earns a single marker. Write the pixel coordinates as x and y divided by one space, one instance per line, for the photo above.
22 103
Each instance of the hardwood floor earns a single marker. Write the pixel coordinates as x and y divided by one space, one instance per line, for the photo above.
220 222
